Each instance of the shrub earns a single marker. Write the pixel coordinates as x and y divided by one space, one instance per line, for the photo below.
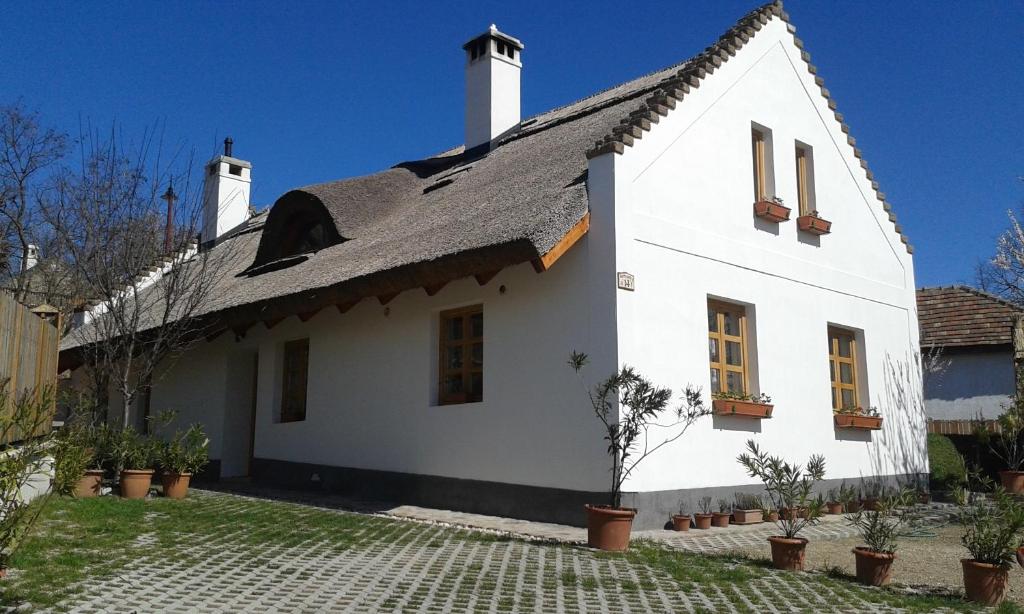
948 470
185 452
788 486
130 449
74 451
879 527
992 529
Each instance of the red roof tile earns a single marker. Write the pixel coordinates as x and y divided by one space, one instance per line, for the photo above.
957 316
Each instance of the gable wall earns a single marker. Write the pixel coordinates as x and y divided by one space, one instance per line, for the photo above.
684 201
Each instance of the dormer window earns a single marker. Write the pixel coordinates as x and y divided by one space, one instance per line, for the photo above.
297 227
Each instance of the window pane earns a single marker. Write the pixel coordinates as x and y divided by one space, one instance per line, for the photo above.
476 386
733 353
716 383
453 384
478 355
712 320
732 324
846 373
845 346
734 381
454 358
454 328
713 350
835 405
476 325
832 370
848 398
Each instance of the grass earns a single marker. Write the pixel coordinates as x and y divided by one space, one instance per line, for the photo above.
80 543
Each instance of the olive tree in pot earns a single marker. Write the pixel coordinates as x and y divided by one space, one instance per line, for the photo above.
992 532
180 457
878 528
629 406
789 487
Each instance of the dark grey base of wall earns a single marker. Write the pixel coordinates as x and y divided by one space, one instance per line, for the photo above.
536 503
209 473
473 496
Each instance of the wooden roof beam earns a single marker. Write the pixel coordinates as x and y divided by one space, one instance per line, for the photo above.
575 233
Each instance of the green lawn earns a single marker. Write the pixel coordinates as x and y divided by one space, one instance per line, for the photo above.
104 539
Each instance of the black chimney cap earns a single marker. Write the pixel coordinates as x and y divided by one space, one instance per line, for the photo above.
227 146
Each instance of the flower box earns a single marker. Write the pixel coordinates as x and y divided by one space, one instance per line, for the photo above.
741 409
771 211
859 422
814 225
747 516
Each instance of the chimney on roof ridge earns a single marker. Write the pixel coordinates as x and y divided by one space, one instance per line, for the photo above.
225 194
493 67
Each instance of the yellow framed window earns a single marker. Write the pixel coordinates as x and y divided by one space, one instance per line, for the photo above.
803 179
462 356
842 358
758 145
727 347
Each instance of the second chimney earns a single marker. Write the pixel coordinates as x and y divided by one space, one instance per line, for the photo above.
225 194
493 64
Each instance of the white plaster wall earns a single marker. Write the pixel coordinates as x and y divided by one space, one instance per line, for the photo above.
971 385
685 192
195 386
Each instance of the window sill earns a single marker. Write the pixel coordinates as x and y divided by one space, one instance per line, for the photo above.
741 409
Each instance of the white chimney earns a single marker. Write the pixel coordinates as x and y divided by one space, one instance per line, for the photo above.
225 194
493 64
31 257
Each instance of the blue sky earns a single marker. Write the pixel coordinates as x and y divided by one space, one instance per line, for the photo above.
315 91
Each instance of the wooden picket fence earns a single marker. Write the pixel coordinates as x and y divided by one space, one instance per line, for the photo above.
28 353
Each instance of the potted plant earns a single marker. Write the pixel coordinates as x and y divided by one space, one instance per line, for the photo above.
702 519
180 457
747 509
742 405
771 208
834 504
850 496
813 223
681 521
878 529
76 469
768 513
133 454
789 486
992 534
859 418
871 492
1008 446
628 405
720 518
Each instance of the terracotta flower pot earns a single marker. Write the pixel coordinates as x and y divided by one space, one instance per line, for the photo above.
834 507
1020 556
870 504
680 523
794 513
720 519
741 409
813 225
983 582
175 484
747 516
852 507
771 211
773 516
873 568
608 527
135 483
1013 481
89 484
702 521
788 553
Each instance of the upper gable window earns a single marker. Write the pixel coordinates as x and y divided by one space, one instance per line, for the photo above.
763 166
805 178
294 229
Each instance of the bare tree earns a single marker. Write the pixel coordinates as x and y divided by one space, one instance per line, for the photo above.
109 220
1003 274
27 151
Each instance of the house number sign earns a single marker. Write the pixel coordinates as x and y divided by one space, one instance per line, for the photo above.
626 281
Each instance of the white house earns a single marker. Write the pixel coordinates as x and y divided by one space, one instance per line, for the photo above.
405 335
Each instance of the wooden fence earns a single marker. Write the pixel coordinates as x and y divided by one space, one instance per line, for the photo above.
28 352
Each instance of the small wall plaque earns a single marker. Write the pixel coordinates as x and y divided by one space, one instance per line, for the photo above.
626 281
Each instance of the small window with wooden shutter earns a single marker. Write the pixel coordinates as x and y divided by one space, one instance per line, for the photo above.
842 359
293 386
727 347
805 178
763 166
461 367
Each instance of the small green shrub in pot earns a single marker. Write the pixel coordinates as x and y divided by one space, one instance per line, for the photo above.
878 528
183 455
77 461
992 533
790 488
134 454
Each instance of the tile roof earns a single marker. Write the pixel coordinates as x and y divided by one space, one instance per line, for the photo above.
959 316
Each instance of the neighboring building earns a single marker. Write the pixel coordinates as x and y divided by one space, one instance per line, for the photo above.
405 335
969 350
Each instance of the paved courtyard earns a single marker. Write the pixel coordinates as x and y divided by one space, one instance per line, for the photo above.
248 555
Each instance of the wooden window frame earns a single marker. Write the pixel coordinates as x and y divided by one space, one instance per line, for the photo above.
284 413
834 362
804 179
721 308
467 369
759 153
